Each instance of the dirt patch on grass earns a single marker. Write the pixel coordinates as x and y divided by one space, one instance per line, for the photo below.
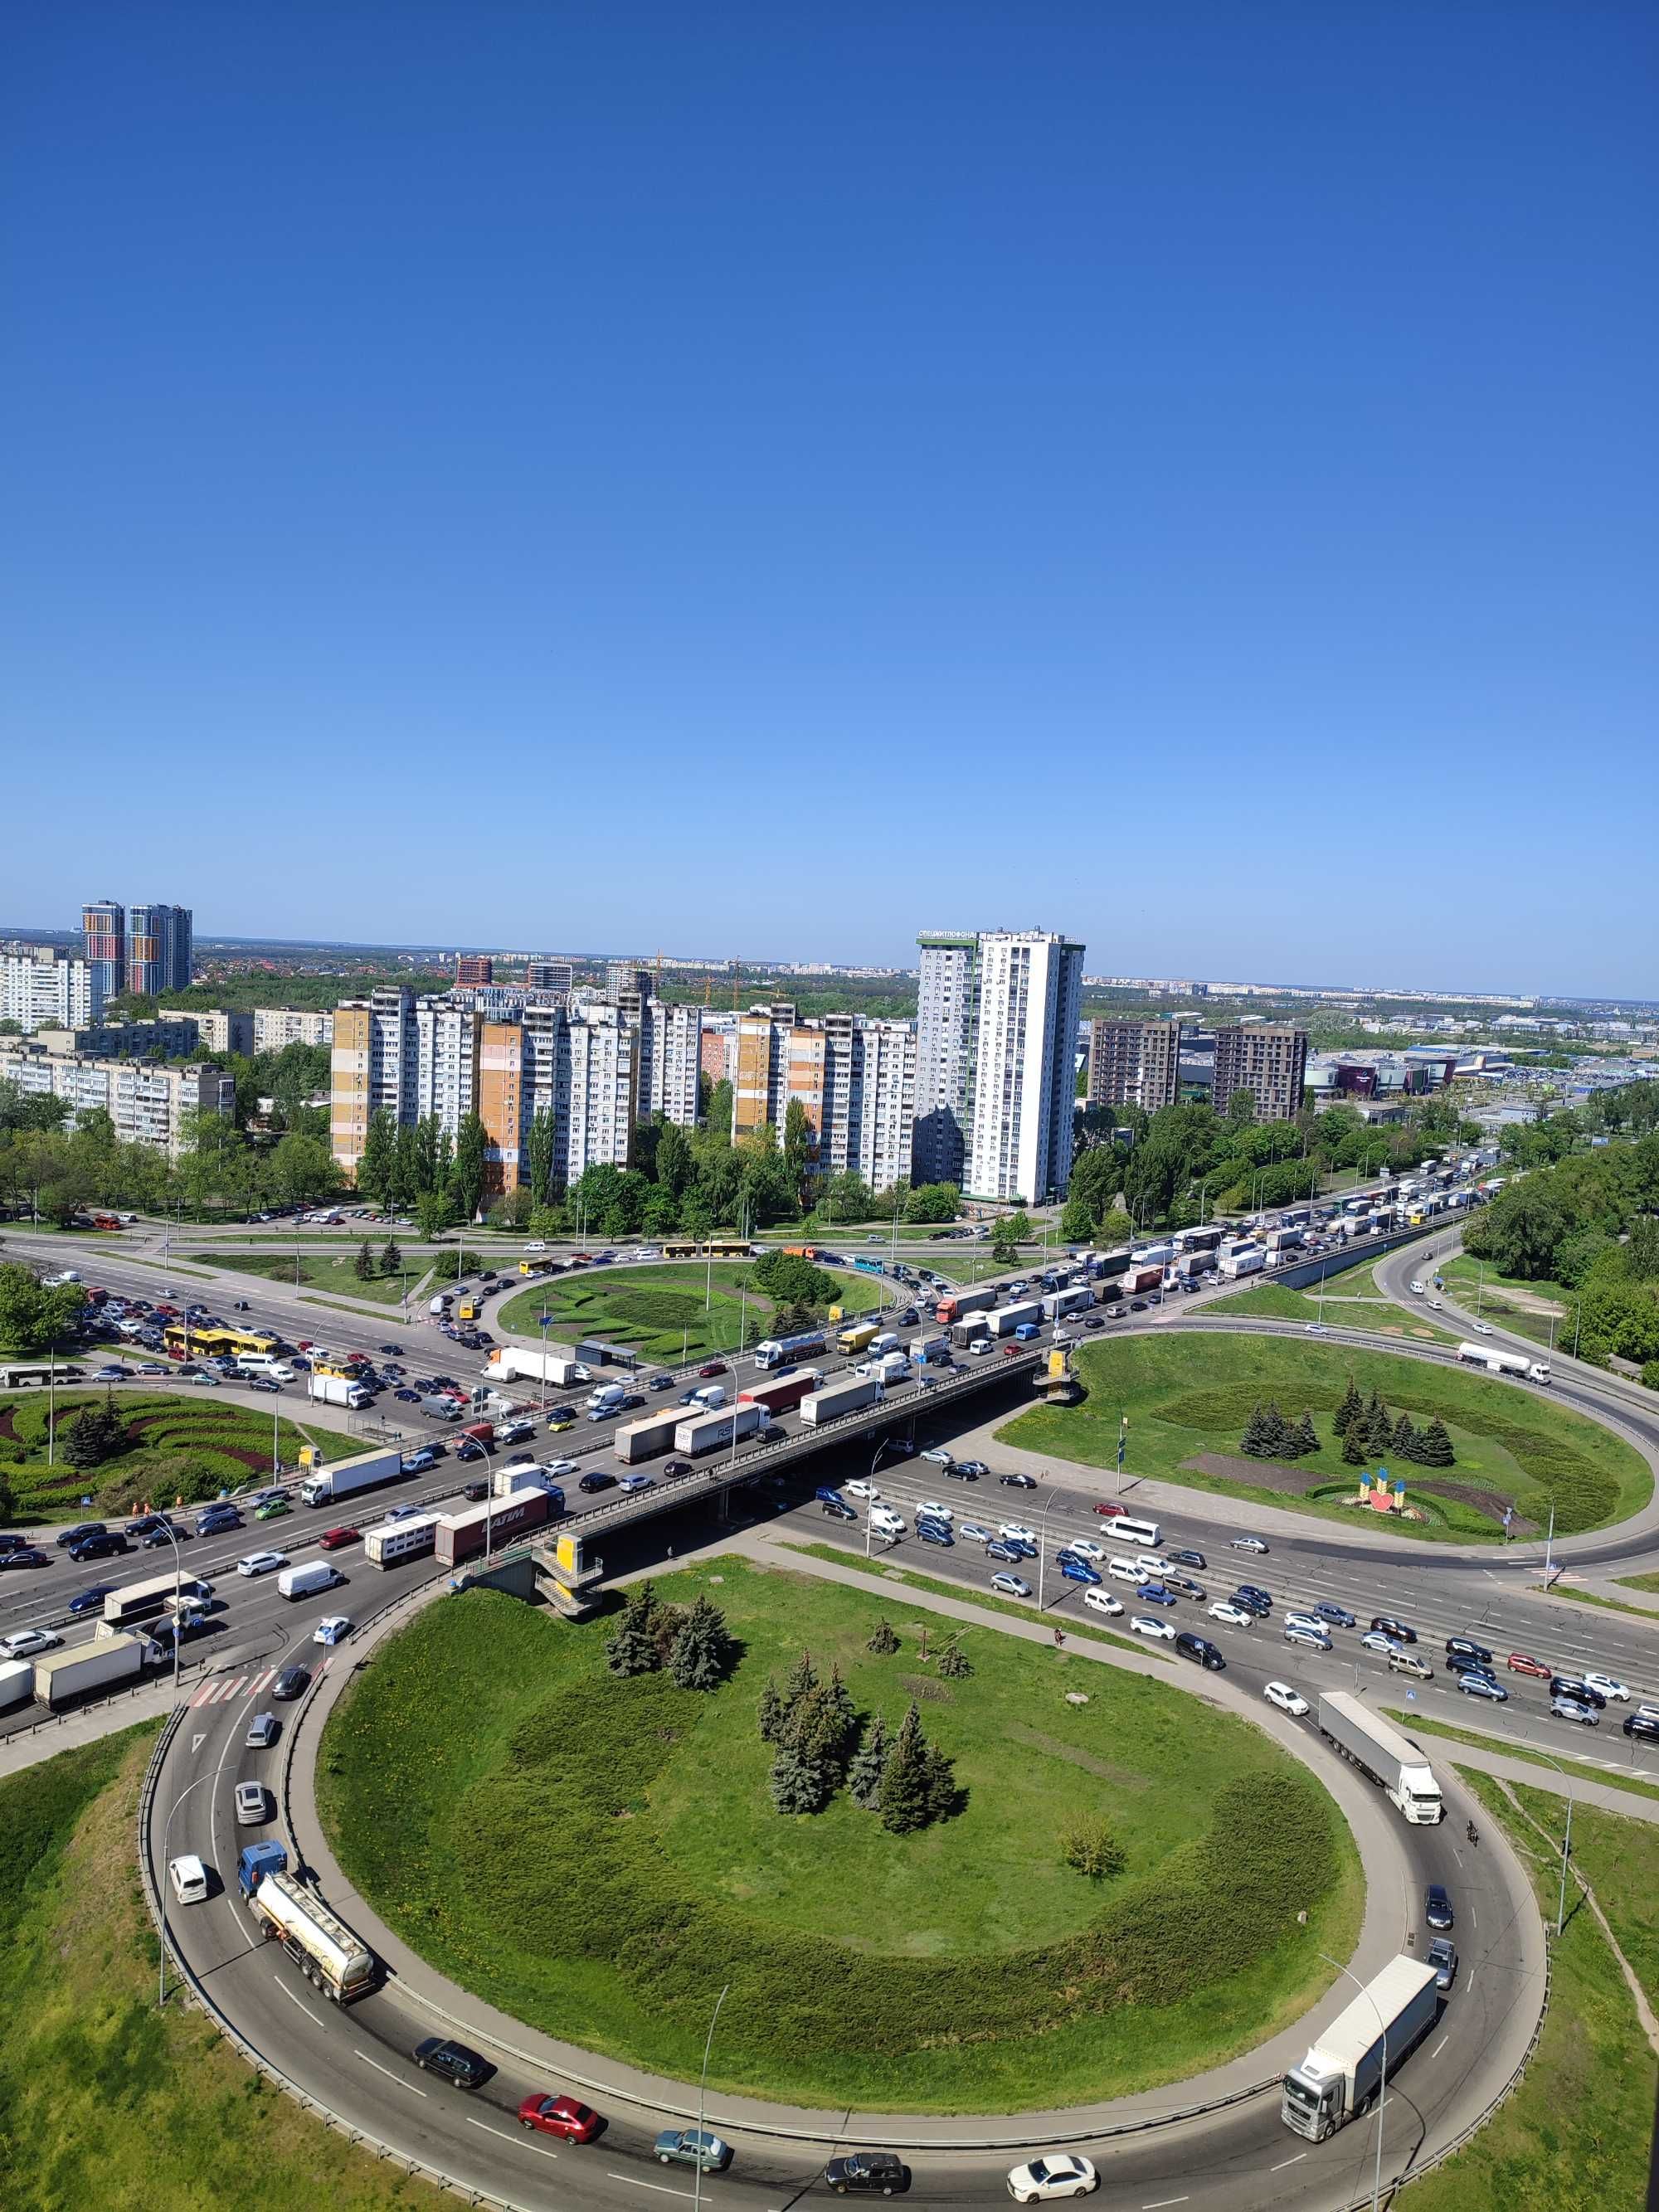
1491 1502
1264 1473
1120 1777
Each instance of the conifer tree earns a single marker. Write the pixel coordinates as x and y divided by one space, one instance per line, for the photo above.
801 1678
938 1784
697 1658
1436 1447
1379 1430
769 1714
1353 1444
799 1782
884 1641
1407 1444
633 1648
1256 1445
1342 1419
1277 1432
954 1664
904 1781
1307 1436
869 1762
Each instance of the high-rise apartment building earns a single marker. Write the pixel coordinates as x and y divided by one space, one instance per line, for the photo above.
1267 1058
473 968
946 1007
274 1027
854 1079
224 1030
1134 1063
556 975
670 1061
625 980
372 1068
104 925
39 990
147 1100
160 949
1030 984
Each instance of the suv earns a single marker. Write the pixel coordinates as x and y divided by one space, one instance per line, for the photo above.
878 2171
1442 1957
1199 1648
440 2054
1564 1686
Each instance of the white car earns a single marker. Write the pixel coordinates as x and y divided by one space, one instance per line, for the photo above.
1163 1631
1434 1305
1153 1563
23 1642
1481 1327
938 1457
1011 1585
1608 1685
1018 1530
861 1490
536 1244
1086 1548
261 1563
1057 2174
974 1532
1310 1621
934 1510
1375 1640
1287 1699
561 1466
1102 1601
332 1628
1233 1615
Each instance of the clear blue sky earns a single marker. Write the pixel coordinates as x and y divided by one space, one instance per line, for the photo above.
762 480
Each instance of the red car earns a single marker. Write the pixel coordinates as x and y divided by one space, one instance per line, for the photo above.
712 1367
1110 1508
334 1540
1521 1663
559 2115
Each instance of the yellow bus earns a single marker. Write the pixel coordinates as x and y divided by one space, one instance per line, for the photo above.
727 1248
680 1248
183 1341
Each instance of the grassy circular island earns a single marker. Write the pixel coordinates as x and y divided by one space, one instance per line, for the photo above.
600 1855
1190 1397
665 1311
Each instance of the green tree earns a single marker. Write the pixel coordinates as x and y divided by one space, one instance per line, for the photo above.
770 1717
1241 1110
799 1682
1436 1447
377 1163
1089 1847
933 1202
363 1264
1076 1219
1407 1443
799 1782
675 1163
633 1650
1254 1443
905 1781
1342 1419
700 1652
466 1179
884 1641
432 1213
938 1784
391 1257
719 1117
1307 1436
797 1144
1354 1442
539 1147
868 1764
954 1664
32 1316
1379 1430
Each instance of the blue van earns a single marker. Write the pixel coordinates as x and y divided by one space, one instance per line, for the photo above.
1025 1332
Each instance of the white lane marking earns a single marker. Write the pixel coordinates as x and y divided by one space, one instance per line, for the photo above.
1283 2162
1473 1922
523 2137
1435 2053
387 2071
1158 2201
197 1741
661 2187
297 1998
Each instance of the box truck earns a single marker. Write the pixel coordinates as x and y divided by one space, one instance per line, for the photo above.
856 1339
704 1432
338 1390
838 1398
16 1683
1058 1303
332 1959
1134 1282
1393 1761
347 1476
1379 2029
61 1676
393 1542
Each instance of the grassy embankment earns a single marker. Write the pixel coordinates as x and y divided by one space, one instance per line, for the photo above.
1580 1769
964 1967
320 1270
180 1448
1484 1291
1186 1394
666 1312
103 2100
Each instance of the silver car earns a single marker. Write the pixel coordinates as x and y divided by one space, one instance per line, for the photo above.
250 1804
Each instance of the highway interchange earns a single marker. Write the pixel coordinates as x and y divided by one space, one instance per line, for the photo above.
1240 2157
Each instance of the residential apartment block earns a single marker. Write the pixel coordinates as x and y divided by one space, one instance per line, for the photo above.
555 976
146 948
1134 1063
1267 1058
171 1036
947 1008
275 1027
854 1079
147 1100
39 990
1030 987
473 968
104 927
670 1061
228 1031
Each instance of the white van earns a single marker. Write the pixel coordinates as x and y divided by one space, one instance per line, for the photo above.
607 1399
885 1522
1154 1563
189 1879
1125 1570
265 1363
886 1342
713 1395
294 1582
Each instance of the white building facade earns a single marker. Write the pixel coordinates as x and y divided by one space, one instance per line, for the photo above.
1030 991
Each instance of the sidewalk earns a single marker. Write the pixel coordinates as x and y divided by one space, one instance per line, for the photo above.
1389 1910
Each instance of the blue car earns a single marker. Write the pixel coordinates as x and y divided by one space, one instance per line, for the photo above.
1153 1593
91 1600
1020 1548
934 1532
1079 1570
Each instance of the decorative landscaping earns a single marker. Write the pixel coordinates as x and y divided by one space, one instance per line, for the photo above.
1081 1882
668 1313
1190 1398
341 1271
132 1445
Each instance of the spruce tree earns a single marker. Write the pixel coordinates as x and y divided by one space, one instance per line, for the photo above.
904 1798
697 1658
1353 1444
769 1714
1379 1430
1342 1419
884 1641
799 1782
1406 1441
1277 1432
800 1678
633 1648
82 1443
869 1762
842 1714
666 1621
391 1257
1307 1436
1255 1444
363 1264
954 1664
1436 1447
939 1782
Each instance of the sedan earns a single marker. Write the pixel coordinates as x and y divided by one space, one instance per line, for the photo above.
261 1563
1247 1544
1188 1559
27 1557
1287 1699
250 1804
332 1628
1011 1585
1109 1508
1155 1594
1016 1532
1233 1615
1315 1639
698 2147
335 1540
456 2062
962 1472
90 1601
23 1642
973 1468
1442 1957
1079 1570
293 1682
1375 1640
1569 1709
564 2116
1397 1629
1609 1686
933 1511
938 1457
1018 1481
1437 1907
1058 2174
1522 1662
1335 1614
1483 1685
1143 1624
597 1479
711 1367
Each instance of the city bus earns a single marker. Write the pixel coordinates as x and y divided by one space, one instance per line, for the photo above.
38 1372
183 1339
727 1248
140 1601
680 1248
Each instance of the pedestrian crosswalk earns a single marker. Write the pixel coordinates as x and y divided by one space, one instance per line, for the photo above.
227 1686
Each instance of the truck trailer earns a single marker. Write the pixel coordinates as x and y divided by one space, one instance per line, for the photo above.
1006 1319
61 1676
1242 1260
958 1302
1059 1304
838 1398
1376 2032
332 1959
394 1541
644 1438
783 1395
463 1535
1134 1281
1392 1760
1505 1363
338 1390
783 1351
16 1683
361 1472
511 1362
709 1431
856 1338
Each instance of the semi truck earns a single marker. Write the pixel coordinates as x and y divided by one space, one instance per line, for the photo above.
1505 1363
332 1960
1280 1242
1392 1760
783 1351
642 1439
338 1390
1376 2032
838 1398
511 1362
725 1425
976 1330
1006 1319
393 1542
858 1338
958 1302
1134 1281
463 1535
930 1351
361 1472
783 1395
1144 1255
61 1676
1242 1260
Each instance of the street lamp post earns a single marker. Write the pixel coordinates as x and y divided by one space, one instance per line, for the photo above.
703 2099
161 1886
1042 1554
1383 2079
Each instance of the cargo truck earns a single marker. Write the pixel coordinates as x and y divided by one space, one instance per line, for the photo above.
1058 1303
1376 2032
858 1338
1134 1282
705 1432
1006 1319
338 1390
1505 1363
644 1438
1144 1255
1281 1241
838 1398
332 1959
348 1476
782 1351
977 1329
1393 1761
930 1351
16 1683
394 1541
1243 1260
509 1363
783 1395
497 1522
958 1302
61 1676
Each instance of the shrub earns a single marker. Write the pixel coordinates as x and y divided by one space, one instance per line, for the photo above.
1089 1846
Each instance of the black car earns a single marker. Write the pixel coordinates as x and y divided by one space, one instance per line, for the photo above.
878 2172
1255 1589
963 1472
1199 1648
1397 1629
1469 1649
106 1545
1189 1558
1018 1481
596 1480
217 1521
440 2054
28 1556
1645 1725
470 1448
76 1532
1562 1685
475 1492
1260 1607
1437 1906
839 1510
1459 1662
89 1601
292 1682
164 1533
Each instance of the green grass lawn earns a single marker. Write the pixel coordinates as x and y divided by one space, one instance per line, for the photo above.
488 1750
1463 1280
1581 1769
660 1310
180 1447
1594 1597
1574 2136
319 1270
1185 1392
1639 1582
104 2100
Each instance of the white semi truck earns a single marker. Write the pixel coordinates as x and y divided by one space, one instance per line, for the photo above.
511 1362
1376 2032
361 1472
1393 1761
1505 1362
332 1959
